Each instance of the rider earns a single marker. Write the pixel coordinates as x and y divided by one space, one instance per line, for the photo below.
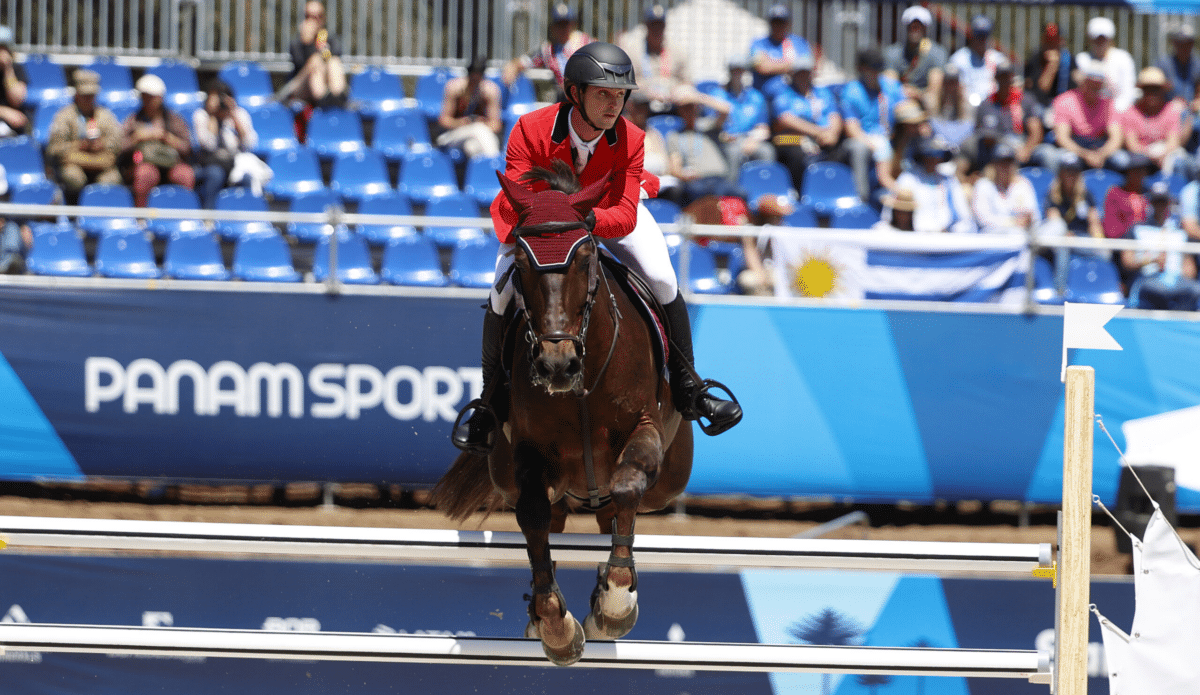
589 132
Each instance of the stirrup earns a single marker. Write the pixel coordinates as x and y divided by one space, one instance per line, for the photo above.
720 424
461 434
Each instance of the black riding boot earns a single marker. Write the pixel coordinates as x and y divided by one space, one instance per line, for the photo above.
477 435
693 399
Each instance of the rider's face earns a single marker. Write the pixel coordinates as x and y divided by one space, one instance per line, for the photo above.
604 105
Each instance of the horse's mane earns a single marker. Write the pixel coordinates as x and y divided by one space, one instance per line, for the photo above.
559 175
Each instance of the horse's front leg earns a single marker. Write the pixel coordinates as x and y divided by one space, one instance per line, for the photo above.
549 620
614 600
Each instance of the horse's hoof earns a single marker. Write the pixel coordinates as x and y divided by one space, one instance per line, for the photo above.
531 631
598 626
566 655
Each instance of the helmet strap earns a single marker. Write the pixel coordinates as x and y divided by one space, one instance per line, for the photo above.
578 104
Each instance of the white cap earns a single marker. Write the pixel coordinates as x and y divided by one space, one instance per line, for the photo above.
152 85
916 13
1101 26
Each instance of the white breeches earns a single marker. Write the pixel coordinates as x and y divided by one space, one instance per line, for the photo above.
644 250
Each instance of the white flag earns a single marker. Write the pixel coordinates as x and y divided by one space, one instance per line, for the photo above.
1083 327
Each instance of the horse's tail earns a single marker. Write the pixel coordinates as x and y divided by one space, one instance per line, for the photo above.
466 488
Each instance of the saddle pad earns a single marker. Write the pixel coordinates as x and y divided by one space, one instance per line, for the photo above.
550 252
652 312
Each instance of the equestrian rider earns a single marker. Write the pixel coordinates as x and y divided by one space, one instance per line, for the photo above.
589 132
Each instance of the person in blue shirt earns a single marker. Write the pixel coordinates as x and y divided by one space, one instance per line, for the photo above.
805 121
772 55
743 132
868 106
1163 280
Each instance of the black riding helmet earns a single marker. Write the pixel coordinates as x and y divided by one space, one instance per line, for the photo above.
600 64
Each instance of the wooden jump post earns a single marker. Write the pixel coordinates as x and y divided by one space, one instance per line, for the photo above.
1075 535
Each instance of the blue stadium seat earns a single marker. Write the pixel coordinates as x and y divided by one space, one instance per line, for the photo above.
458 205
108 196
480 180
23 163
702 269
519 97
47 81
429 90
126 256
275 126
390 204
802 216
766 178
1040 178
377 92
360 175
665 124
57 250
353 259
173 197
664 211
183 86
427 176
1175 182
312 201
333 131
296 172
474 262
1044 291
194 257
413 260
116 83
857 217
401 132
250 82
43 116
240 199
829 186
124 111
1093 280
37 193
264 257
1098 181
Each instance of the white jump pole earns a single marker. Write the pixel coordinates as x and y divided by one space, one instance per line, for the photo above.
506 546
1075 534
703 656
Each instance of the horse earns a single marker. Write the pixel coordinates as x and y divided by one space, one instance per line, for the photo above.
591 423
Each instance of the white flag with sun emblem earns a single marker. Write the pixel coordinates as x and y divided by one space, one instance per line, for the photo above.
835 264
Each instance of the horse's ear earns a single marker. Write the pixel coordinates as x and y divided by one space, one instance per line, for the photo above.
520 196
587 198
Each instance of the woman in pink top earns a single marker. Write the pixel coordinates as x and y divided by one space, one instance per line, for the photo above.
1154 126
1085 123
1124 205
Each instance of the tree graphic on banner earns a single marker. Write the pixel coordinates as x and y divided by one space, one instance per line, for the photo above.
827 628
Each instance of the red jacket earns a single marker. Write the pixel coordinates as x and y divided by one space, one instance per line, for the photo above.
542 136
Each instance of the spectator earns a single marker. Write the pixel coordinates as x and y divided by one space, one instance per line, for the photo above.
565 39
979 149
1019 114
807 125
156 144
660 67
1069 205
917 61
1085 121
318 77
1003 201
1156 127
1116 63
84 141
13 120
941 202
656 159
898 212
867 109
470 117
744 132
775 54
954 118
695 158
1163 280
1049 71
1181 65
911 126
225 137
1125 205
977 63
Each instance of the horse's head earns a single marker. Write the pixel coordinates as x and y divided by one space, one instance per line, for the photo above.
557 271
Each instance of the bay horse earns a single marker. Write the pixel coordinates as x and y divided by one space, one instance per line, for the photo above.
591 422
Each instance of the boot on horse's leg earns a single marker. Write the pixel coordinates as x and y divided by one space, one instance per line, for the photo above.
692 399
614 609
478 434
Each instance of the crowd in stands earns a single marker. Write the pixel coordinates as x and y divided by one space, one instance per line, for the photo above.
918 138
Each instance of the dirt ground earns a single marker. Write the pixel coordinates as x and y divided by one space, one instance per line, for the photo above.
373 507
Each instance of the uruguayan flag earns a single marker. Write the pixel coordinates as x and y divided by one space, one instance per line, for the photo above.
834 264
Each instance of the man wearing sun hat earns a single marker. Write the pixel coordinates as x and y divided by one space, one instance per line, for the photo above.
85 139
916 61
1158 127
1117 64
